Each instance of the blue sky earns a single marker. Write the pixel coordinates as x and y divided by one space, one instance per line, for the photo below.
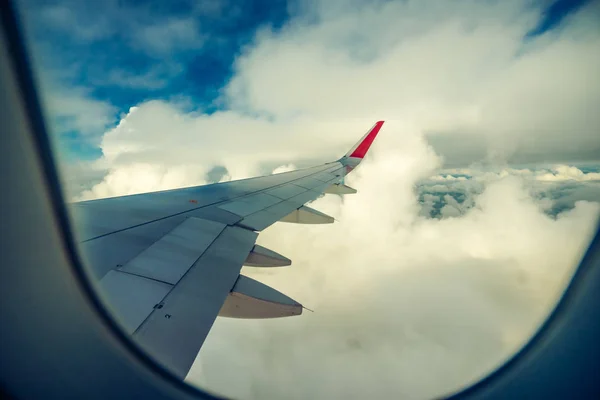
121 53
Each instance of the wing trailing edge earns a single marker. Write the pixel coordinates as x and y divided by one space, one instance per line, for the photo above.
262 257
339 188
250 299
307 215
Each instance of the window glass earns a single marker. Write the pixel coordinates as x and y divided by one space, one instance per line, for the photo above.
474 205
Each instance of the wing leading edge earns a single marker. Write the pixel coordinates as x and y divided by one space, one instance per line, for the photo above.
169 262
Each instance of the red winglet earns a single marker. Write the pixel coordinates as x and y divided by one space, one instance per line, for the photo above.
360 149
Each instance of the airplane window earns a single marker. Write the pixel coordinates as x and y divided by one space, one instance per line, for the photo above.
474 205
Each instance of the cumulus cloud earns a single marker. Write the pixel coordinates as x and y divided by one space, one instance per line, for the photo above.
169 36
165 134
79 177
555 173
405 305
139 24
73 109
284 168
458 69
218 173
154 78
566 172
143 177
62 17
556 188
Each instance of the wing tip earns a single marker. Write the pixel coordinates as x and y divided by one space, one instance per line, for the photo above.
360 149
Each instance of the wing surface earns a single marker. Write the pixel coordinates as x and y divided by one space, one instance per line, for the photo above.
168 263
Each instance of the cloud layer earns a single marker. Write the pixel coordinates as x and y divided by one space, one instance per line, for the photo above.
464 74
461 69
451 192
406 305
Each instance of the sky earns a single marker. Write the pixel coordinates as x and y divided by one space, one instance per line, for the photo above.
474 206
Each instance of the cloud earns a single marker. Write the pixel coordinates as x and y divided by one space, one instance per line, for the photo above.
218 173
284 168
164 37
143 26
114 43
154 78
557 188
147 177
79 177
165 134
566 172
457 69
74 109
405 305
63 17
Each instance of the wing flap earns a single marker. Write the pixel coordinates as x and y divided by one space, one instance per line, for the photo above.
254 300
340 188
174 333
133 290
262 257
131 297
168 259
307 215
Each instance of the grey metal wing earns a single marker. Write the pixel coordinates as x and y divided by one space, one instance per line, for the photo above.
168 263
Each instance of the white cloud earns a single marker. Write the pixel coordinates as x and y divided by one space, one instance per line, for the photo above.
448 178
143 177
284 168
161 133
168 36
446 67
73 109
62 17
558 173
452 208
156 77
566 172
556 188
431 67
140 26
405 306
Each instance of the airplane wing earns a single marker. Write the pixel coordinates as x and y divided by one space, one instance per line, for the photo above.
168 263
